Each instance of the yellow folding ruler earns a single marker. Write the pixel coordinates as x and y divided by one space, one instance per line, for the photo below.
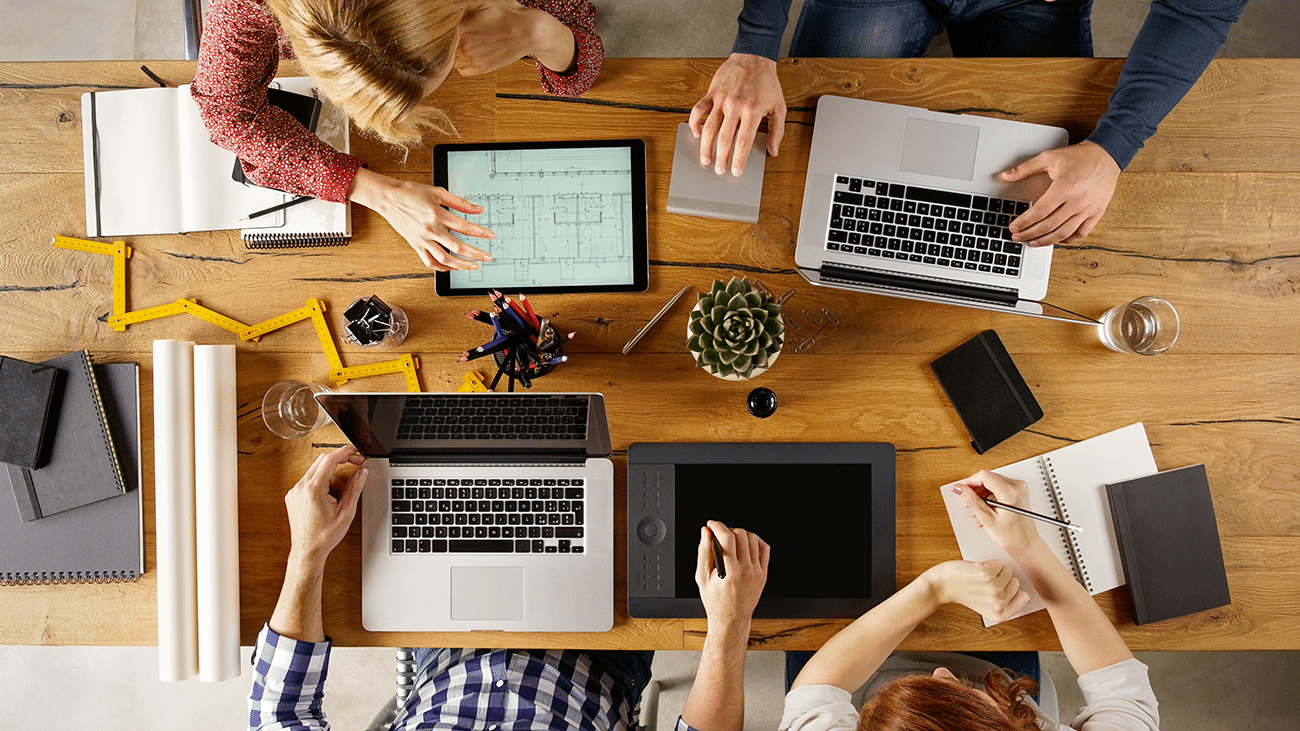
120 253
180 306
472 382
315 310
406 365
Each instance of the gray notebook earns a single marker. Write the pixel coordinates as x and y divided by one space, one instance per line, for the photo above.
102 541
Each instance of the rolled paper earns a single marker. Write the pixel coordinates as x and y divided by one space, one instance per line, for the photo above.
173 422
216 507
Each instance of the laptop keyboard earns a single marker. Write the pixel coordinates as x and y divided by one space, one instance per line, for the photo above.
505 417
876 218
488 515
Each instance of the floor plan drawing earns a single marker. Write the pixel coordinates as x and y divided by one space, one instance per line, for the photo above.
560 216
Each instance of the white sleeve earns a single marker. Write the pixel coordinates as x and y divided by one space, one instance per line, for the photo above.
819 708
1117 698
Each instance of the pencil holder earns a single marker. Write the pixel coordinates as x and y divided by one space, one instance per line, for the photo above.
523 345
735 331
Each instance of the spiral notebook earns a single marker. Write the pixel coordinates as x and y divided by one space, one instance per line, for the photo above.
100 542
314 223
1070 484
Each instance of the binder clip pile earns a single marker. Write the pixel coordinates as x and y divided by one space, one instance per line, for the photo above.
524 345
369 322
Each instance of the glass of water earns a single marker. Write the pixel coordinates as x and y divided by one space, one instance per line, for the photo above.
1146 326
290 409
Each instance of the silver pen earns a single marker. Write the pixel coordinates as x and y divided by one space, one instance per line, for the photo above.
1035 516
636 338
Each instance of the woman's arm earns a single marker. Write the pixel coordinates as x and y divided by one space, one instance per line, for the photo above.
850 658
1090 641
579 16
238 57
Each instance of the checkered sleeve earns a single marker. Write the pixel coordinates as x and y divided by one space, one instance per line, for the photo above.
684 726
288 683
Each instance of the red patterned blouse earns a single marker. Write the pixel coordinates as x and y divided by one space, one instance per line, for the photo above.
241 48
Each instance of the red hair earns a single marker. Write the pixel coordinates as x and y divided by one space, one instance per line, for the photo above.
927 703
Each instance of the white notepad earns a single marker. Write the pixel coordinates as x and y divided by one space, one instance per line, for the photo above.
1070 484
150 168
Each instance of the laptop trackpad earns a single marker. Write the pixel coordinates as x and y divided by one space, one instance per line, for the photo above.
487 592
939 148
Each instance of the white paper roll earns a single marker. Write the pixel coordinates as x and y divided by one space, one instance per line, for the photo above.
216 501
173 429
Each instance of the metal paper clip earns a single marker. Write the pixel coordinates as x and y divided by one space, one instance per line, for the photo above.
813 316
758 284
830 316
806 344
790 323
785 296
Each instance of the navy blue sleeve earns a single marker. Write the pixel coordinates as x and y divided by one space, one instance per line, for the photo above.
1176 44
762 23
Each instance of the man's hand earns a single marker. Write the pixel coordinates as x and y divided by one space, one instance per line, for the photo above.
321 506
987 587
744 90
731 601
1083 181
416 212
499 32
1015 533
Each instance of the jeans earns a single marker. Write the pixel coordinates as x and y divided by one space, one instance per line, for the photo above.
904 28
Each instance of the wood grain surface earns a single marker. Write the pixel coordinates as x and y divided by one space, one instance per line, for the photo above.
1207 216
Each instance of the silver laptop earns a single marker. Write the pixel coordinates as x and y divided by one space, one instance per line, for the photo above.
483 511
906 202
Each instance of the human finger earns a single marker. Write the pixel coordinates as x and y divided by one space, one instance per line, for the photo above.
704 558
726 140
743 143
741 551
458 247
1062 232
351 492
775 130
698 113
764 554
460 225
438 249
1034 165
451 200
1084 229
709 136
1045 228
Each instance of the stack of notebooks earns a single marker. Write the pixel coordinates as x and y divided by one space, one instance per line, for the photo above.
71 446
1152 531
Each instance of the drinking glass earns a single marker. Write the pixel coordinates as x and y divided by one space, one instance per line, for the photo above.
290 409
1146 326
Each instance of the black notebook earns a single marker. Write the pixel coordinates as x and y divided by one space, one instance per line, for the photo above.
103 541
987 390
27 397
1169 544
83 466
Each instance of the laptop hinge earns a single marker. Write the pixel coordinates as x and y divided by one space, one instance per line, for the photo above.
500 460
924 285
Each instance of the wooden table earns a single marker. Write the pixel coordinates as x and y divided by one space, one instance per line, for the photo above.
1206 216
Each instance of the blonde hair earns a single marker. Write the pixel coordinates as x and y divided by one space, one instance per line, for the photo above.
374 58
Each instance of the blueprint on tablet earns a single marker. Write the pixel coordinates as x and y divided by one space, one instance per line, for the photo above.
562 217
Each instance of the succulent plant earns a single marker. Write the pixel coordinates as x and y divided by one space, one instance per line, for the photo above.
735 331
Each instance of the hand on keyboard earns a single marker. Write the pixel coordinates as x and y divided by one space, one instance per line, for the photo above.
1083 181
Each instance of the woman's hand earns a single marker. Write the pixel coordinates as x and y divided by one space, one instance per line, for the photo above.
416 212
987 587
1015 533
497 33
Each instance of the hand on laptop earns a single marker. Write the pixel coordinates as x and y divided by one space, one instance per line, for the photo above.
744 90
321 506
416 212
731 600
1083 181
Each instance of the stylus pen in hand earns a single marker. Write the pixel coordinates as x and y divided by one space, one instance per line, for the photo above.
279 207
718 564
1035 516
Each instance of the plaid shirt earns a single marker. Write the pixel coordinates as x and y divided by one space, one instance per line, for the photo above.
488 689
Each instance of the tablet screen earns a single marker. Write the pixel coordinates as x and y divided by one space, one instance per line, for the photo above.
821 546
568 216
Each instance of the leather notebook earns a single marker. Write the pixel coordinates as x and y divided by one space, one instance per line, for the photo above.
1169 544
987 390
83 466
27 394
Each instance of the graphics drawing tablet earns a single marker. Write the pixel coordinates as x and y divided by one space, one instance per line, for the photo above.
826 510
568 216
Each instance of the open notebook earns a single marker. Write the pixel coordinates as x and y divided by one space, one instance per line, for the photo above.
150 169
1070 484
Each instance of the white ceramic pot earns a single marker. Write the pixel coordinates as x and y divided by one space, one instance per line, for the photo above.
733 376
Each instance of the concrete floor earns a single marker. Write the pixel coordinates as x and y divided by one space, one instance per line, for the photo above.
117 688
